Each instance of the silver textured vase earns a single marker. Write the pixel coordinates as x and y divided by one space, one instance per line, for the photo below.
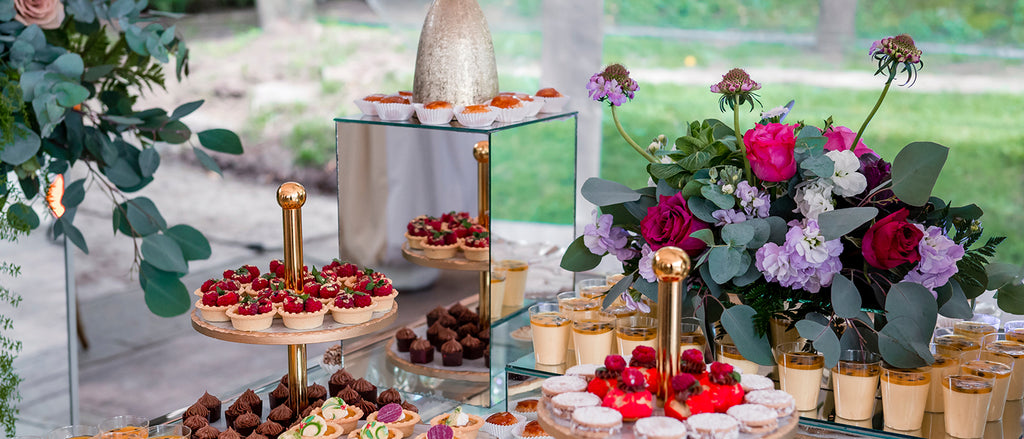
455 58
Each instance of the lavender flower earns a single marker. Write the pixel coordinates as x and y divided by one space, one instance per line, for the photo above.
634 304
805 261
601 238
613 85
755 202
939 256
728 216
645 268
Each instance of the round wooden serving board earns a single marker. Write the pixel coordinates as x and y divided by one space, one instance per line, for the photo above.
277 334
459 262
474 371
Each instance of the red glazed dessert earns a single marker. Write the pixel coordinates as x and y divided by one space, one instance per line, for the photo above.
607 377
645 359
723 384
631 398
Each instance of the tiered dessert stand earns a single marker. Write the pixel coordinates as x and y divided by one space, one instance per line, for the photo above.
291 196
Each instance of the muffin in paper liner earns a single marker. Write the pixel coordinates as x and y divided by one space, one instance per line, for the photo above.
436 116
526 416
518 432
533 107
504 431
506 115
475 120
394 112
366 107
553 105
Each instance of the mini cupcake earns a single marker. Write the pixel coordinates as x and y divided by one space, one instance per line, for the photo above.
531 430
451 354
475 116
366 104
336 411
281 414
468 329
434 113
394 108
352 307
472 347
374 430
477 247
501 424
316 392
207 432
235 410
525 408
253 400
252 314
197 409
302 312
553 100
465 426
509 108
366 390
350 395
395 418
230 433
404 338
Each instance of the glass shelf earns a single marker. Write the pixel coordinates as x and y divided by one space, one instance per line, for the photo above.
455 125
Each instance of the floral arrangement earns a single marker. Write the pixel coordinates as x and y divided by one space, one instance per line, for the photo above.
799 222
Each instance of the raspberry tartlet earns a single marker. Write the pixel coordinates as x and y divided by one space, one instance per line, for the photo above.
477 247
300 311
378 286
352 307
252 314
214 304
417 231
442 244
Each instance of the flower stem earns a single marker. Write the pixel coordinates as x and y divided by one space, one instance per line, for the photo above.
630 141
739 140
872 114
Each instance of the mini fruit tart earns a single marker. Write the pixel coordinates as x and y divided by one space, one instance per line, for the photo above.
352 307
375 430
465 426
477 247
312 426
379 287
214 305
302 312
454 219
245 276
416 232
396 418
277 267
252 314
211 285
441 245
336 411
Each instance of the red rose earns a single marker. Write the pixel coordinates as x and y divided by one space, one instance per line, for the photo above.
892 241
770 151
670 223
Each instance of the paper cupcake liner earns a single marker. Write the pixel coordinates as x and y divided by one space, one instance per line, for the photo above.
518 433
394 112
527 416
507 115
475 119
533 107
553 105
366 107
504 431
436 116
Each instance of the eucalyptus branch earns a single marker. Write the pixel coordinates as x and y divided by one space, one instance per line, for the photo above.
629 140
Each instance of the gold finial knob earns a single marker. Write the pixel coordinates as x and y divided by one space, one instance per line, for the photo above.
482 151
291 195
671 264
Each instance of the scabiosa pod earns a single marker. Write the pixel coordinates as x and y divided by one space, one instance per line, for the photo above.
893 52
612 85
736 88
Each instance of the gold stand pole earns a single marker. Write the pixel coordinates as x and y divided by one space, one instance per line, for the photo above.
482 153
671 265
291 196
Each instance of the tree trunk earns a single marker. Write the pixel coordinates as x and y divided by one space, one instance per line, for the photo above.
836 27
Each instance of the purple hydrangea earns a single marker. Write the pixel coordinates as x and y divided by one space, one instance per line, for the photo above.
728 216
613 84
754 203
939 256
805 261
645 268
601 238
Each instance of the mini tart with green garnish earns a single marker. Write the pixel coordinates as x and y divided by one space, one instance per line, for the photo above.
465 425
299 311
336 411
378 286
396 418
214 304
252 314
375 430
477 247
442 244
312 426
352 307
417 231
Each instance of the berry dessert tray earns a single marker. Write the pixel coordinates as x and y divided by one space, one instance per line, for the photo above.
475 370
278 334
458 262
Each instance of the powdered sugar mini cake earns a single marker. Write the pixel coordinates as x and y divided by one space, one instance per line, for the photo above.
659 427
596 422
564 404
585 371
713 426
778 400
754 418
753 382
562 384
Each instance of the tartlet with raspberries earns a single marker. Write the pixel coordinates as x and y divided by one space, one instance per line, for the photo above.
352 307
252 314
300 311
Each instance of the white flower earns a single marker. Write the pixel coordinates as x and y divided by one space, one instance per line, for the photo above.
846 181
775 112
813 197
728 189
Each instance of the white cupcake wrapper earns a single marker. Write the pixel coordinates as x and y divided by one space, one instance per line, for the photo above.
533 107
518 433
526 416
436 116
475 120
393 112
506 115
366 107
504 431
553 105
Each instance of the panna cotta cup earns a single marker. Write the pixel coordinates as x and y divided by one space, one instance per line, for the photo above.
904 396
800 371
515 281
634 331
593 289
996 344
999 368
854 381
730 354
943 367
966 399
593 333
954 345
497 294
1014 330
691 336
550 333
974 330
570 305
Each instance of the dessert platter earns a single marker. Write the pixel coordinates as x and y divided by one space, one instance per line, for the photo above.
506 107
451 345
453 241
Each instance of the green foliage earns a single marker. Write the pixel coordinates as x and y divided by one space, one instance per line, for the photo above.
9 348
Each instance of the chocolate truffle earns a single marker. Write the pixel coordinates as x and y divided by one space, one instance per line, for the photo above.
448 321
279 395
315 392
432 332
284 379
457 308
366 390
212 404
207 432
451 354
404 338
472 347
421 352
484 335
194 423
281 414
349 395
445 336
390 396
367 407
434 314
230 433
339 380
255 435
270 429
254 402
197 409
468 317
468 329
410 407
237 409
316 404
307 411
246 423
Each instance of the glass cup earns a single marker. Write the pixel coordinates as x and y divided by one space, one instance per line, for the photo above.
854 380
570 304
966 399
730 354
126 426
1014 330
973 330
594 335
515 281
996 366
73 432
634 331
997 343
953 345
691 335
943 367
497 293
169 431
550 333
800 371
592 289
904 395
613 279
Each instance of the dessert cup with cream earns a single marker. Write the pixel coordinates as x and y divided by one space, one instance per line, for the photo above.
966 399
904 396
550 333
800 371
855 380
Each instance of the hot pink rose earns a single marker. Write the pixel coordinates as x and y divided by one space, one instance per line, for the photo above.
48 14
840 138
770 151
670 223
891 241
